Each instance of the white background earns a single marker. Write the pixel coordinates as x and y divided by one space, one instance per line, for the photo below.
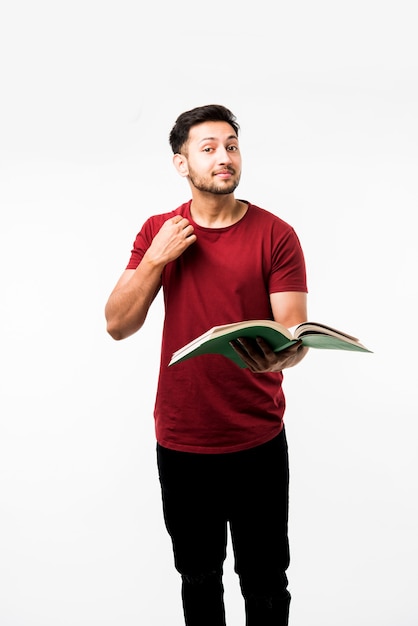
327 97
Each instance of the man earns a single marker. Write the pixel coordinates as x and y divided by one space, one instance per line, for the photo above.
221 445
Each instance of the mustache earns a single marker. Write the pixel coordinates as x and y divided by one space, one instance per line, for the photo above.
228 169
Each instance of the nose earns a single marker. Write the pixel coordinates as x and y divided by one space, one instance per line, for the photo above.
224 155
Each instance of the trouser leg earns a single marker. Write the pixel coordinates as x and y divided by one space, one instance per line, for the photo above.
194 518
202 597
267 607
259 517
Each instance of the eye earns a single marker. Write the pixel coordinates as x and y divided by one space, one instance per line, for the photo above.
207 149
232 148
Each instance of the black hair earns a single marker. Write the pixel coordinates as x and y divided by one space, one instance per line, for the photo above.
209 113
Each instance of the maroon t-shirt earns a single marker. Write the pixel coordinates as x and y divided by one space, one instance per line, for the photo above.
208 404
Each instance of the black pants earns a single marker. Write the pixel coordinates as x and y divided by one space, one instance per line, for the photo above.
249 489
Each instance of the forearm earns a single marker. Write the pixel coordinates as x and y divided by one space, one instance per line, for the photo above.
128 304
130 300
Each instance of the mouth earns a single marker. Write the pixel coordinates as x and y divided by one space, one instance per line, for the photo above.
224 173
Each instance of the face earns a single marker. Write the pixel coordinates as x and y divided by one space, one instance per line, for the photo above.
211 158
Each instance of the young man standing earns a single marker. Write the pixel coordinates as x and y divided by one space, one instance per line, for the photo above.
221 444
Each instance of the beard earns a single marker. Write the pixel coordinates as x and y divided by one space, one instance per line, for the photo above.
209 185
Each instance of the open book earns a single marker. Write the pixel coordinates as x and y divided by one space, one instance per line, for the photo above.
313 335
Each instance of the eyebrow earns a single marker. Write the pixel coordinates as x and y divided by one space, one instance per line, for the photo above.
216 139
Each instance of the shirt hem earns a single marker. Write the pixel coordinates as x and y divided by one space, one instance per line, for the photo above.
199 449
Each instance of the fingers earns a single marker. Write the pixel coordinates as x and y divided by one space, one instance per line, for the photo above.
251 353
180 221
175 236
259 357
183 224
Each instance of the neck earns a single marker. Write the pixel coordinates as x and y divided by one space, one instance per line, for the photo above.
217 211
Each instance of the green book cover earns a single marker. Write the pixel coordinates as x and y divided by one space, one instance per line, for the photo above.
221 345
217 340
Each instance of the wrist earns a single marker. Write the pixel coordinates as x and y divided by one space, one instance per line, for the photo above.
152 262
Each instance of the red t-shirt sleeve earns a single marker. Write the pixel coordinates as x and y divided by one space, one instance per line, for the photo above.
142 243
288 271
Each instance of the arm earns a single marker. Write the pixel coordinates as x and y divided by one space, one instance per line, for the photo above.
130 300
289 308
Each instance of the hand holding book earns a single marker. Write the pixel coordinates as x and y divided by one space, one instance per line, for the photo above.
217 340
258 356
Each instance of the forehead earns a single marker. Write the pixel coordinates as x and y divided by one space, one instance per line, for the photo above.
212 131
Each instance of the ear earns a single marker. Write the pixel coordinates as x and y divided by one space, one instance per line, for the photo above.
180 163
